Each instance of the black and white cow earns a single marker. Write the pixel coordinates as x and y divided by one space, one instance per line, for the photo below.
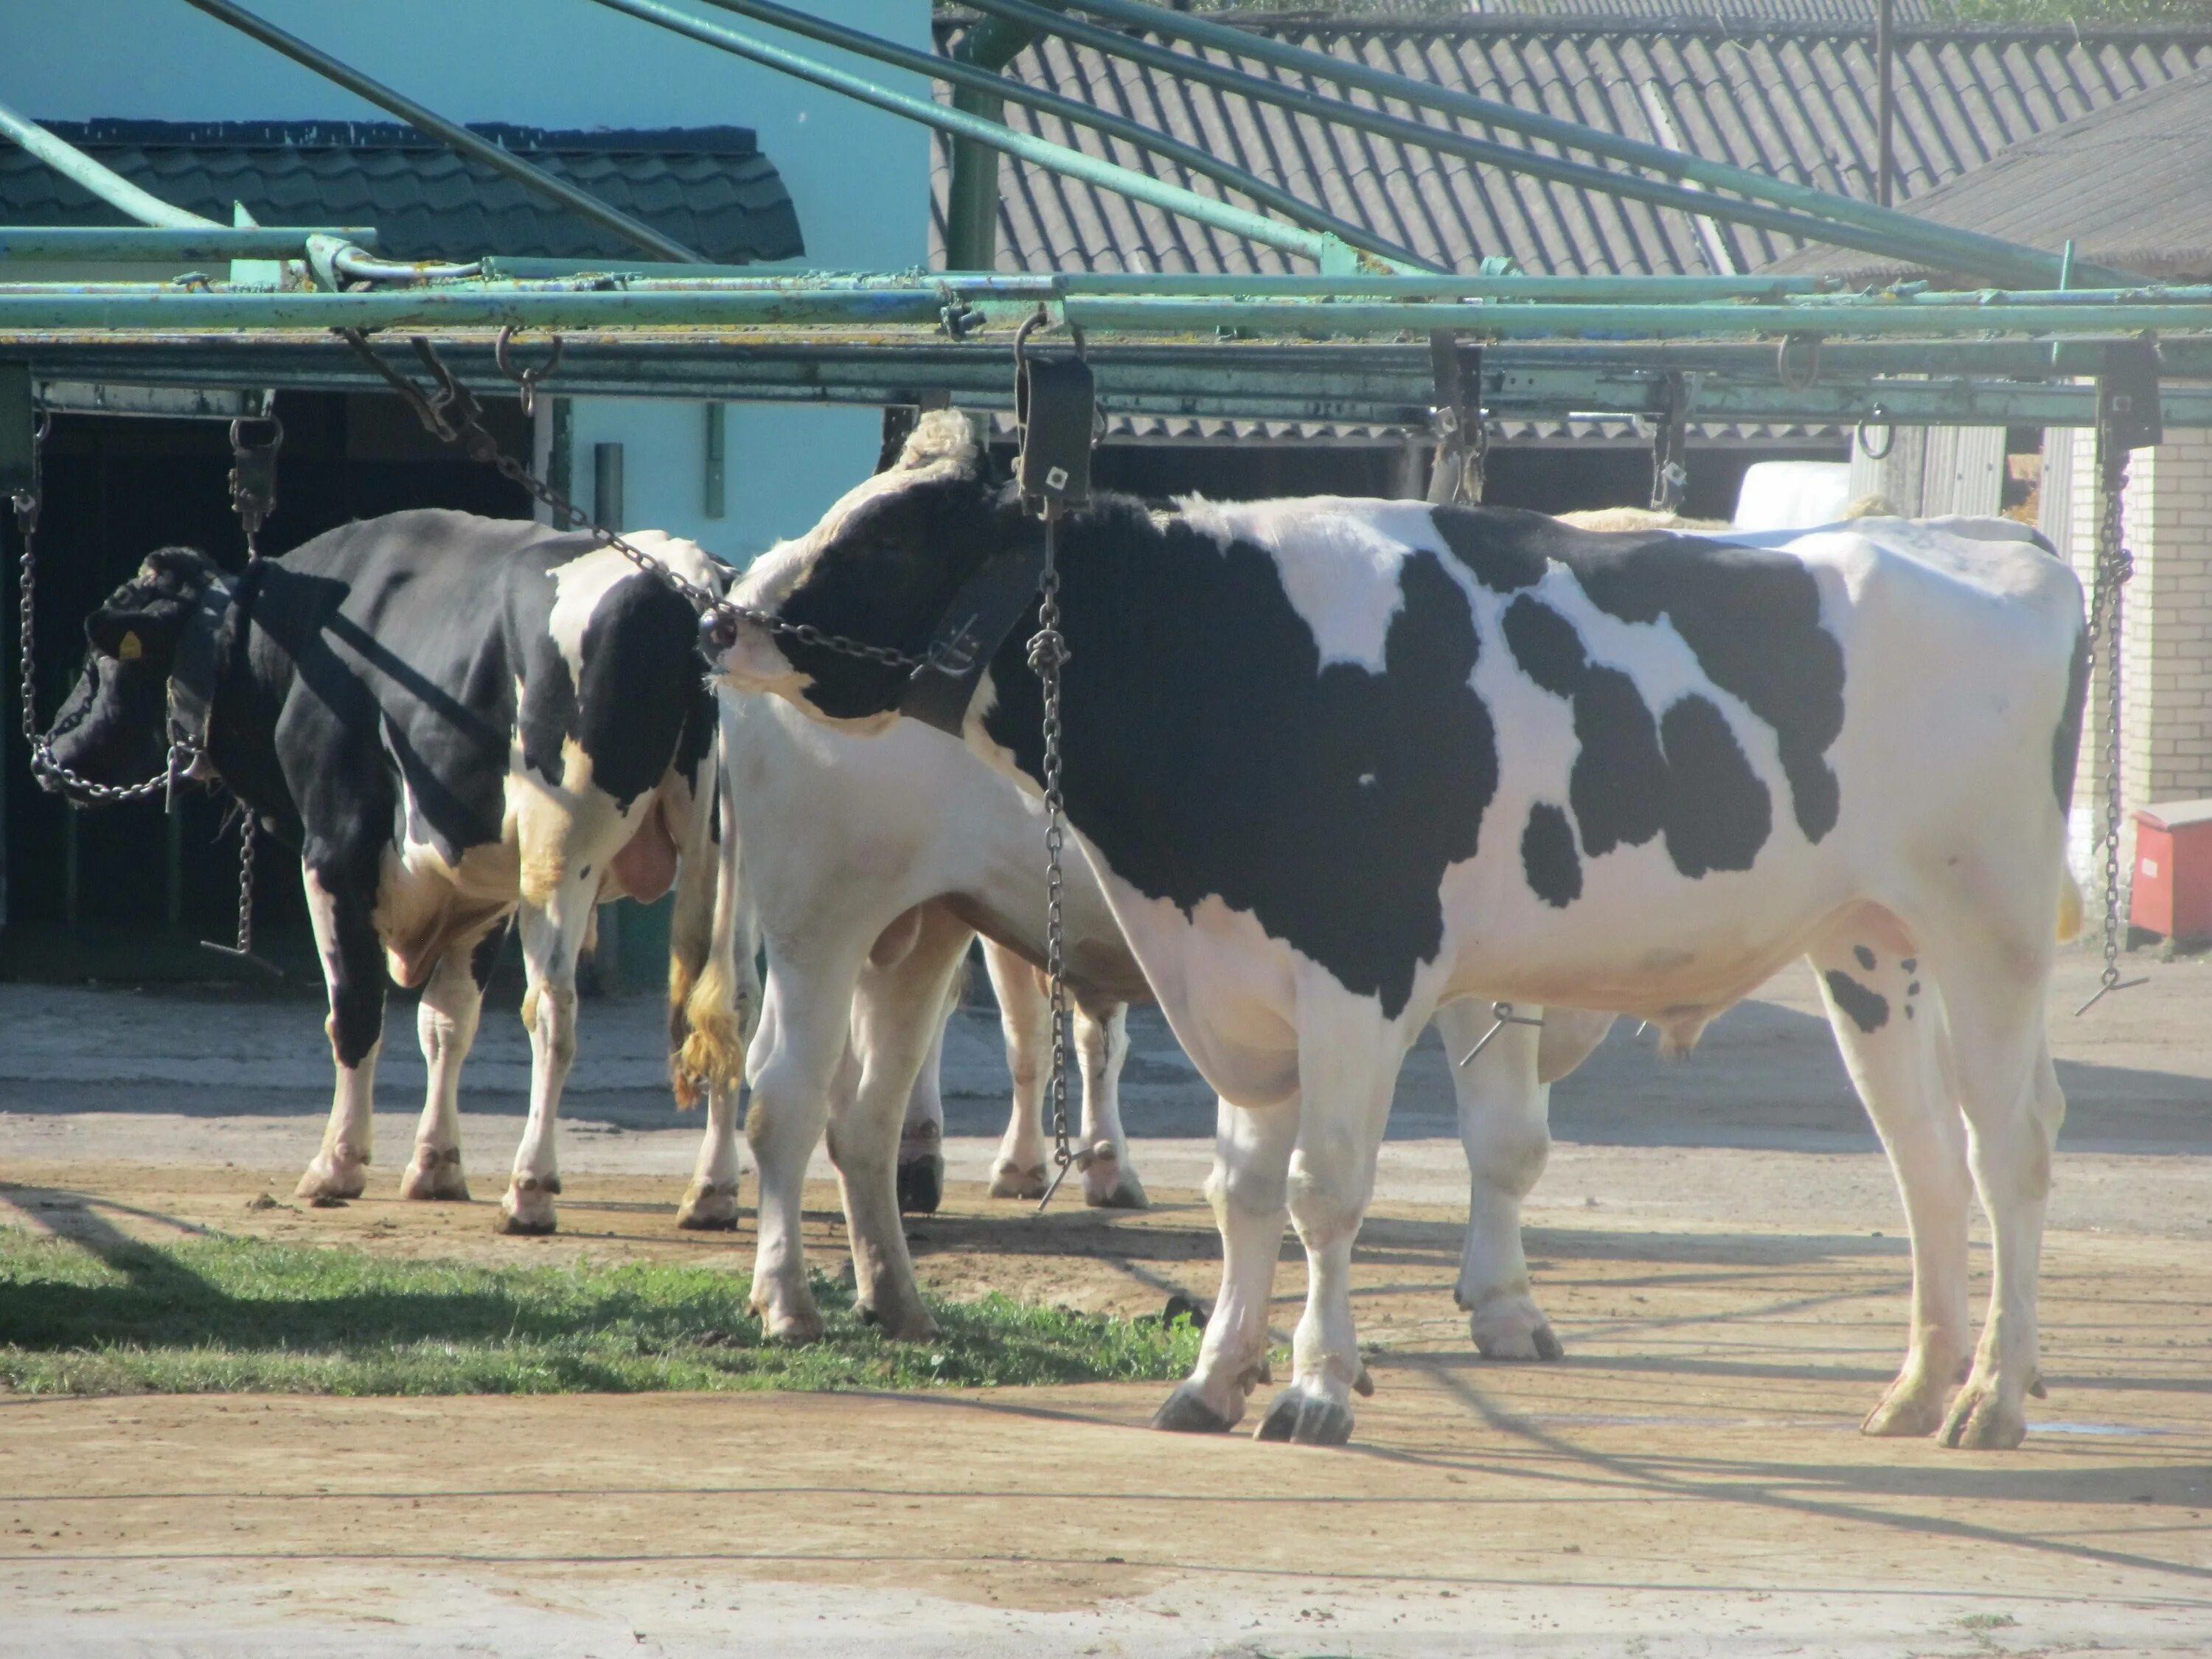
1337 763
453 718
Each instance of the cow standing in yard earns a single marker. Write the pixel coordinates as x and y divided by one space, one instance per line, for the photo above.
454 719
1338 764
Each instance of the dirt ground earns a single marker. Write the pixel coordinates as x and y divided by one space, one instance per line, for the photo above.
1717 1243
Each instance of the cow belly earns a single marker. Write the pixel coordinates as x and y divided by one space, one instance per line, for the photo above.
423 905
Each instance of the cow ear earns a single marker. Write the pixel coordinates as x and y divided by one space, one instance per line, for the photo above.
138 627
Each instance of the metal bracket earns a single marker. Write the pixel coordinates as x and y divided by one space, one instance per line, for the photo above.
1462 439
2130 415
1056 404
1670 442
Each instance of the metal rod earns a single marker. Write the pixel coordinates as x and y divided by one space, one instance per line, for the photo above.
971 197
1138 187
1896 234
165 245
582 203
111 187
959 74
1885 57
1581 175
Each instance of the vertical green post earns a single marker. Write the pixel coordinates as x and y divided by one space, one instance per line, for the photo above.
972 204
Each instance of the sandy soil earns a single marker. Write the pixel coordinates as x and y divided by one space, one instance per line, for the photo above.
1717 1244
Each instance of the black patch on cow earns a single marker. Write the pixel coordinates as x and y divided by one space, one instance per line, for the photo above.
1909 1014
355 973
1547 856
1236 771
2066 740
1865 956
1634 778
547 718
485 956
1718 812
1868 1009
1913 989
1910 964
643 706
1751 617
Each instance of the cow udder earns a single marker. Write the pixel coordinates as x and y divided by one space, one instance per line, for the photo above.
646 867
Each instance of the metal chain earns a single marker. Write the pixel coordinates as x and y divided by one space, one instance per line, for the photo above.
182 755
1048 656
2115 565
246 837
452 414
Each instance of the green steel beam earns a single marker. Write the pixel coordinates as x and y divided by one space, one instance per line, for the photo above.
166 245
1326 251
582 203
971 201
111 188
967 251
1883 230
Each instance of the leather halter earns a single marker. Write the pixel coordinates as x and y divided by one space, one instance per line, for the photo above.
203 653
983 613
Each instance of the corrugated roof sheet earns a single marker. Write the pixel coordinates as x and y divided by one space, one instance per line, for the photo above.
1797 102
710 187
2131 185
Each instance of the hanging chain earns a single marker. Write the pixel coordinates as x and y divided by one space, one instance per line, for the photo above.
1048 656
452 414
50 772
2108 605
1502 1015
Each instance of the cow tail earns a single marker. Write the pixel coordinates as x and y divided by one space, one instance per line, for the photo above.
713 998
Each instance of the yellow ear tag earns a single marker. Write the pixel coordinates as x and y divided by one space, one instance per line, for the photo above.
130 650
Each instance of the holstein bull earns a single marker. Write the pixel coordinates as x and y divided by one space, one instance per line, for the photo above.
871 861
1337 763
453 718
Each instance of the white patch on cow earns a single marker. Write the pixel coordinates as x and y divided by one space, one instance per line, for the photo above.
1338 558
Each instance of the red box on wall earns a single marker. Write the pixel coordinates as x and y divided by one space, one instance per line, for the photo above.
2172 890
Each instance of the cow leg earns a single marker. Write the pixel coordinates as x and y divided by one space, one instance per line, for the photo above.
1993 993
710 1203
921 1131
1889 1033
1504 1125
353 972
1102 1044
1026 1017
553 937
446 1024
804 1020
1346 1077
1249 1190
897 1008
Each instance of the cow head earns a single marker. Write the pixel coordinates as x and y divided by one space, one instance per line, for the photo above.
883 566
114 727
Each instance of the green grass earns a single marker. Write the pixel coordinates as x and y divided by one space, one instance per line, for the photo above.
234 1315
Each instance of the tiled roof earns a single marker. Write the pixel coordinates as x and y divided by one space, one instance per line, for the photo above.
2131 185
710 188
1796 101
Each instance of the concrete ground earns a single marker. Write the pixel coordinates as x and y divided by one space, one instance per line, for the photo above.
1717 1241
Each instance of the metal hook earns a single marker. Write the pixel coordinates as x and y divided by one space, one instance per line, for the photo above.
1812 366
1503 1013
1888 426
527 379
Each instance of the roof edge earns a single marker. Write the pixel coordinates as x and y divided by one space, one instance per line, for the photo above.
395 135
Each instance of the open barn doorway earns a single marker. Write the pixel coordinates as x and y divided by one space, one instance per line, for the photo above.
123 892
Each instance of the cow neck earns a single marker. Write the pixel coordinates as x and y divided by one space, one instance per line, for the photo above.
985 609
240 720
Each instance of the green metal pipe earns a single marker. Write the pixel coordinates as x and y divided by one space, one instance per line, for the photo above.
167 246
1897 234
971 200
1580 175
111 187
1626 322
995 86
1326 251
582 203
966 285
419 308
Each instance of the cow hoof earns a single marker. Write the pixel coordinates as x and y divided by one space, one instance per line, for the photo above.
1305 1420
436 1176
791 1328
1185 1411
709 1207
1981 1421
329 1177
1518 1346
527 1210
901 1325
921 1184
1911 1409
1009 1181
1107 1185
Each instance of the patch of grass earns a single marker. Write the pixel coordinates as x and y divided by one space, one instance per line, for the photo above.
1985 1621
234 1315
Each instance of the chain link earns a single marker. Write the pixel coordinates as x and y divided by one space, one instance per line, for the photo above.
1048 656
2115 565
52 773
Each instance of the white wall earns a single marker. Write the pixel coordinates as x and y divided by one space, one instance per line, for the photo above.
860 179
